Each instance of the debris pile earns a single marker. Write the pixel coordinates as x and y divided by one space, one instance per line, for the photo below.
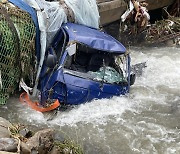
168 29
136 17
174 10
164 30
136 28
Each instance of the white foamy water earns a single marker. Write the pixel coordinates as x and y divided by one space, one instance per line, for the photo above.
146 121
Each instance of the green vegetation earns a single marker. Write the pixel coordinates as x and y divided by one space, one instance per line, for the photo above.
68 147
17 41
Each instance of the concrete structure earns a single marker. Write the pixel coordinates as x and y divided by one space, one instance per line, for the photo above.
111 10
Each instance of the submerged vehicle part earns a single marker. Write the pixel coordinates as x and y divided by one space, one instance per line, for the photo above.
90 65
24 98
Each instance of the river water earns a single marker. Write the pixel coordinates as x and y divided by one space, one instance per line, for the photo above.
145 121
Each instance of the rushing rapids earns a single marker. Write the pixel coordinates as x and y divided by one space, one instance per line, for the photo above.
145 121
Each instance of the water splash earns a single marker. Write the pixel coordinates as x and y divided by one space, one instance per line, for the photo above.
146 121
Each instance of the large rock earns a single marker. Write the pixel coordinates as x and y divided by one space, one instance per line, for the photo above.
55 150
24 148
4 125
42 141
4 152
8 144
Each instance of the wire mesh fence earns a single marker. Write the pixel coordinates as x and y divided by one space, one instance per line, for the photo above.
17 48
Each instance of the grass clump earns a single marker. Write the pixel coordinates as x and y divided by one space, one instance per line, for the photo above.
68 147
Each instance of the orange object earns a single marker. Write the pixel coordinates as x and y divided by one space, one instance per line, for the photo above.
24 98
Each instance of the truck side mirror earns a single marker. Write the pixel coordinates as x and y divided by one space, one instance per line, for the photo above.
51 61
132 78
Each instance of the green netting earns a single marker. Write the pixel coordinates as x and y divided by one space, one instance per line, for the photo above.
17 40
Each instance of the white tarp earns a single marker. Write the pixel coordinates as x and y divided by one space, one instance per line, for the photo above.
85 11
128 11
51 15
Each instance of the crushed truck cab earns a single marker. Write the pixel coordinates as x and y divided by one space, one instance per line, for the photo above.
83 64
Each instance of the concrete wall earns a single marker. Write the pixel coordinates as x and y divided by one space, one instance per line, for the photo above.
111 10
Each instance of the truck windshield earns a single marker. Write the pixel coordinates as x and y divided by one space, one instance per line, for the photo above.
98 66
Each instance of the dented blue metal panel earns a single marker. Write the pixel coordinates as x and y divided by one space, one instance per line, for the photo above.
68 86
93 38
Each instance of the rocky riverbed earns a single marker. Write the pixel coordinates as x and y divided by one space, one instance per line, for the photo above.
16 139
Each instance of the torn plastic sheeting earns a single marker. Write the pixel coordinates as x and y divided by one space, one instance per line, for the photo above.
24 86
51 15
128 11
50 18
85 11
138 8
